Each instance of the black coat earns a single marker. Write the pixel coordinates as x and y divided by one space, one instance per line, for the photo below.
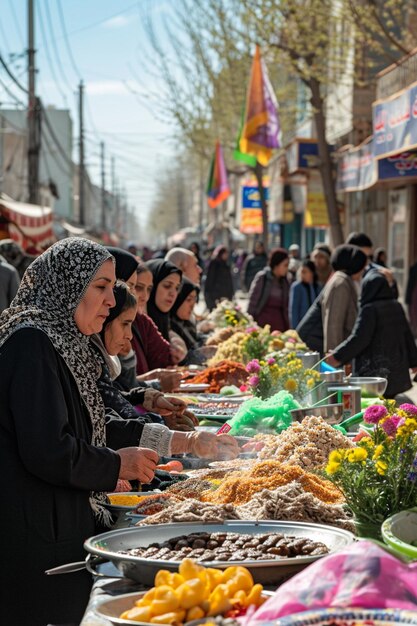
219 283
381 343
47 469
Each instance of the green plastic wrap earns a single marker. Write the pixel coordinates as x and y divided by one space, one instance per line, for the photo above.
264 416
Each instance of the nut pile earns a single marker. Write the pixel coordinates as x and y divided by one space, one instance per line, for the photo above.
193 511
227 546
307 444
239 487
291 503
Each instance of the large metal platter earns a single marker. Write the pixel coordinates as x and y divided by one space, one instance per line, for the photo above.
108 545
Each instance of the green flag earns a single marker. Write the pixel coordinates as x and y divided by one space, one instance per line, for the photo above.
248 159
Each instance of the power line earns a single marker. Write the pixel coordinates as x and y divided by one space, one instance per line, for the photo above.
105 19
66 39
16 23
56 50
12 76
11 94
54 137
48 54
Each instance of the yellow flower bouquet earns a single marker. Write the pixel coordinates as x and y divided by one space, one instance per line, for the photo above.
379 477
270 376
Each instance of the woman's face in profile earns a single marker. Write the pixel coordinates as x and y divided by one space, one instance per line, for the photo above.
97 301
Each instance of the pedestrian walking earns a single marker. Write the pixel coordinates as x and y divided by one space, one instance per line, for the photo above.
320 256
303 293
381 342
254 263
269 294
339 305
219 281
411 298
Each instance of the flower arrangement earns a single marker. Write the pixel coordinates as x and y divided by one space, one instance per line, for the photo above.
288 341
270 376
379 477
227 313
256 343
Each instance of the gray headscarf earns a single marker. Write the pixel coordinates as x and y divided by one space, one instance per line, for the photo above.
50 291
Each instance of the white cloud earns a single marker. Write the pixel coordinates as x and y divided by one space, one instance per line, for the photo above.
116 22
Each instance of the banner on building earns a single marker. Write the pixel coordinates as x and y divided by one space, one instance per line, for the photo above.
394 123
280 206
316 210
356 169
251 212
302 154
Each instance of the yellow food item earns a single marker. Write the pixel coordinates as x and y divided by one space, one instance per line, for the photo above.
123 500
138 614
219 601
176 617
189 569
194 593
164 577
166 600
195 613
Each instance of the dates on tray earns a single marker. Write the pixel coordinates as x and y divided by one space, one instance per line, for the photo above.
228 546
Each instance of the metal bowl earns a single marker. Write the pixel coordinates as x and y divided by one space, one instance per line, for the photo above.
370 385
109 545
112 608
331 413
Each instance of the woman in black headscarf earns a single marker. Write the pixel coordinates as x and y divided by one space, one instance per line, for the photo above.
339 305
181 313
373 346
126 265
54 463
166 285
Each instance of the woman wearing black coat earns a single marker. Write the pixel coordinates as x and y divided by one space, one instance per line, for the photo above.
381 343
219 281
55 463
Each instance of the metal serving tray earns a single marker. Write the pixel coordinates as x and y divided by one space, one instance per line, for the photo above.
108 545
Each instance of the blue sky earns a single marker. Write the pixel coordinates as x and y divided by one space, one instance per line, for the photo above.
107 45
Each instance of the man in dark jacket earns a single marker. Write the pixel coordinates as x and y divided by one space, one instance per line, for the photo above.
254 264
381 343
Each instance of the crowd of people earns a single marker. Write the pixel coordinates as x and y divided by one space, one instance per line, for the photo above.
88 340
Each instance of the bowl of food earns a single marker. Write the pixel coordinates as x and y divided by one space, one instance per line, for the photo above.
331 413
371 386
126 500
271 550
400 533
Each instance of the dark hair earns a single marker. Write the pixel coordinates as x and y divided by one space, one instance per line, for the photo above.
359 239
277 256
348 259
142 267
310 265
323 247
125 300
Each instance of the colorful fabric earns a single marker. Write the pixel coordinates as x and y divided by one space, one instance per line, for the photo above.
217 187
261 127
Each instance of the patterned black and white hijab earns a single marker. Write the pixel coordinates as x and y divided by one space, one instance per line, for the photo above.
50 291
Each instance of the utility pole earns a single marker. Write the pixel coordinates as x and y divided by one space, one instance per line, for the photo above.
113 194
81 166
33 113
103 187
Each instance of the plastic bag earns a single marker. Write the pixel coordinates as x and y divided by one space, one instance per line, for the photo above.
271 415
362 576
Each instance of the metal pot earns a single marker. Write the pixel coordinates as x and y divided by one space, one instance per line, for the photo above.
371 385
331 413
272 571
